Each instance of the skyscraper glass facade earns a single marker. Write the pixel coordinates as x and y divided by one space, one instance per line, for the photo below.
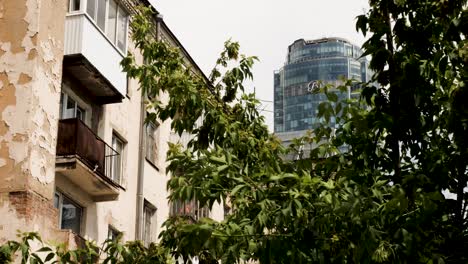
325 60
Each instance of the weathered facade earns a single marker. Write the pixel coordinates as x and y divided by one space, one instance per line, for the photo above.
76 159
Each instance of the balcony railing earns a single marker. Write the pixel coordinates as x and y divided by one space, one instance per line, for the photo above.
190 209
77 139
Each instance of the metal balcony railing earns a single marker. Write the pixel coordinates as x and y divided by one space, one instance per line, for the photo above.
189 209
78 140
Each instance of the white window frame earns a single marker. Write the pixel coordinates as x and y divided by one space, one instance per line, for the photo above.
120 8
65 99
151 146
66 93
149 213
117 158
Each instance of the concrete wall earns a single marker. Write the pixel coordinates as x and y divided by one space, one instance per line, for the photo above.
31 52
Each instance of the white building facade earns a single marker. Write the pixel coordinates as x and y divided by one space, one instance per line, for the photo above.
77 160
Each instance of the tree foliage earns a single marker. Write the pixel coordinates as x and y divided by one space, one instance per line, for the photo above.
386 185
373 189
31 249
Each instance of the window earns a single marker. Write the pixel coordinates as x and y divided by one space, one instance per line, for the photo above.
101 14
74 5
112 233
121 31
69 108
116 159
151 146
112 19
70 213
149 225
91 8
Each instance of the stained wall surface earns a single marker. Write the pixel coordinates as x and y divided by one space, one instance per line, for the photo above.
31 82
31 52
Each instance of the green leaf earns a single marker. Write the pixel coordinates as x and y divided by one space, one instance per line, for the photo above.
218 159
222 168
236 189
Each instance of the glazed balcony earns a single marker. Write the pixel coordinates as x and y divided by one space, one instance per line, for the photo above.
87 161
93 60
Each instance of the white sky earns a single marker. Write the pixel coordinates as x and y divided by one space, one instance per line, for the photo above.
264 28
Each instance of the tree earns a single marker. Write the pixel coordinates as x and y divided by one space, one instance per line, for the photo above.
380 200
31 249
373 190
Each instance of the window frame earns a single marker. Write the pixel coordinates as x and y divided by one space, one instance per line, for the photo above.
151 210
70 4
120 8
151 154
120 157
64 99
65 93
59 207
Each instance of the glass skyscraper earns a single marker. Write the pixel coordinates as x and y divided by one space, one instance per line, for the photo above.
308 63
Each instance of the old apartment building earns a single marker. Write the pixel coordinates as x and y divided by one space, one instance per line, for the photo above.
76 159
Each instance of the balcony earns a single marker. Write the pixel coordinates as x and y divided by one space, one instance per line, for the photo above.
188 209
93 60
86 160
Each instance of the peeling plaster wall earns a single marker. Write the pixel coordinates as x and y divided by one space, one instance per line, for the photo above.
31 54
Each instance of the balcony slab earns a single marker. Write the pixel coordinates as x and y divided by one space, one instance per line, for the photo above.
99 188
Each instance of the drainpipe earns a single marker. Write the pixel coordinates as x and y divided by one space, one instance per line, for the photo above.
141 163
141 154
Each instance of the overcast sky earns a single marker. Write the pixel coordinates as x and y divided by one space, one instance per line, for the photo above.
263 28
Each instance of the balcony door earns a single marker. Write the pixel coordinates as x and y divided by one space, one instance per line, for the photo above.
70 108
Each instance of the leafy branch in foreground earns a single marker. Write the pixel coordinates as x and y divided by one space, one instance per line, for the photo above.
370 190
31 249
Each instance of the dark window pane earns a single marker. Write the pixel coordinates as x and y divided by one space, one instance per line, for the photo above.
70 108
56 200
61 106
75 5
71 216
80 113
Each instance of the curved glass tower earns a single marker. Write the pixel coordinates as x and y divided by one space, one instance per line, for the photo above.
326 60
